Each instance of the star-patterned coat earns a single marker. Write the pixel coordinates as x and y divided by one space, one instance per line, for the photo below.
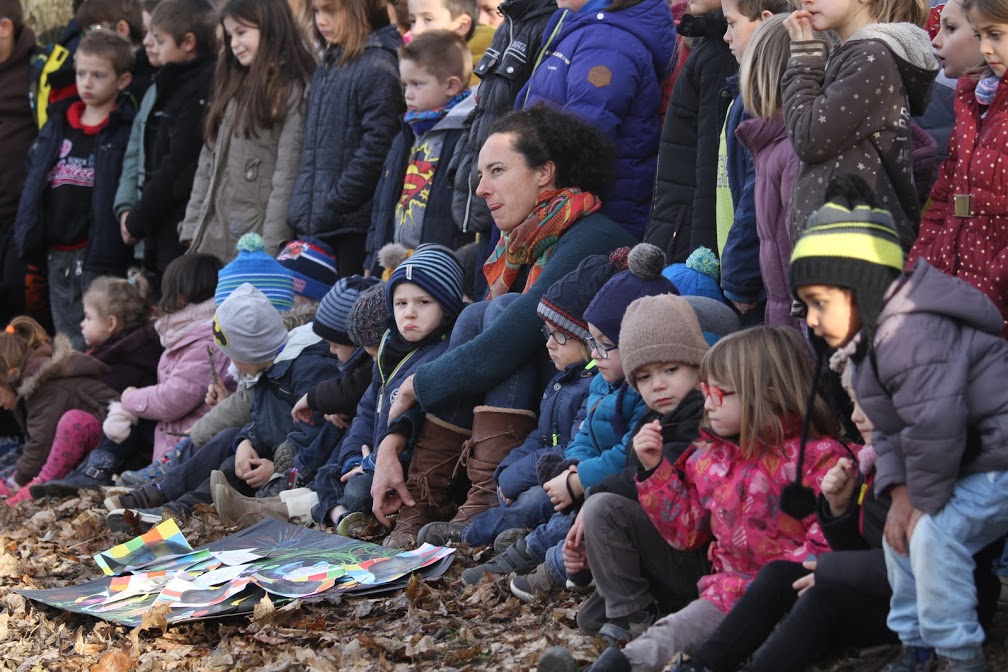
851 114
973 248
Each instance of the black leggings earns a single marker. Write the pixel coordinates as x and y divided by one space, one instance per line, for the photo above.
824 619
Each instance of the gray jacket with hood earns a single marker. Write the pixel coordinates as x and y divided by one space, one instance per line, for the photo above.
934 386
851 114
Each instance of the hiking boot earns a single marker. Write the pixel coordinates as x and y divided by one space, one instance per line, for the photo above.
912 659
557 659
357 524
509 538
619 630
514 559
132 521
496 432
978 664
93 473
534 584
145 497
430 472
441 534
235 509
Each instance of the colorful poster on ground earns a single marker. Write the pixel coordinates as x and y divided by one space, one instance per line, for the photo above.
287 561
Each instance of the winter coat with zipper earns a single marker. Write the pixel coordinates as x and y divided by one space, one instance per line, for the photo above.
354 111
607 67
740 270
134 175
679 428
132 357
684 193
173 138
841 120
17 125
562 401
244 184
715 493
106 253
437 225
342 392
177 400
973 248
303 363
605 425
371 422
504 69
933 386
54 379
776 166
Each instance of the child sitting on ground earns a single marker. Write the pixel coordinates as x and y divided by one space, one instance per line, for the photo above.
413 199
929 365
728 487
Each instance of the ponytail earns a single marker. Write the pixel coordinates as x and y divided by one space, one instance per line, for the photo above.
22 336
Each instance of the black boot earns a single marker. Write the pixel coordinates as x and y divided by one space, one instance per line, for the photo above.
95 471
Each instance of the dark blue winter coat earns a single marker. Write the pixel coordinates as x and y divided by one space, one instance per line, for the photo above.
563 399
608 68
354 112
371 423
741 280
106 253
276 392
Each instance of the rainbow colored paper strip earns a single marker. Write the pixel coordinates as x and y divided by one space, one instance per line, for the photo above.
162 542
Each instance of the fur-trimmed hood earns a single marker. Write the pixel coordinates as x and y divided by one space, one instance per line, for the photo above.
56 360
914 57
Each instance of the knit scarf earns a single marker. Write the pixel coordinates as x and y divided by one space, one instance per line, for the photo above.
533 240
986 89
422 121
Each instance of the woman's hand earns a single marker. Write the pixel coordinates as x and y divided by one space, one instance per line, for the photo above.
648 445
807 581
799 26
575 557
302 412
557 488
838 486
359 469
405 399
388 490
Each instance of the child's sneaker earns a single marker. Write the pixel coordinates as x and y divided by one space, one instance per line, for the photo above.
513 559
441 533
978 664
357 524
146 497
534 584
151 472
133 521
913 659
618 630
509 538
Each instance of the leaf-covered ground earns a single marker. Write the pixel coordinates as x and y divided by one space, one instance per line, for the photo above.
439 625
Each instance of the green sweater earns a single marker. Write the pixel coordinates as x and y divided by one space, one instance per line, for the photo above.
468 371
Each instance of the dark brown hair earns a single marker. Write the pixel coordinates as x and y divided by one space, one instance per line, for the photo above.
181 17
191 278
457 8
13 10
262 91
102 12
986 9
442 53
105 43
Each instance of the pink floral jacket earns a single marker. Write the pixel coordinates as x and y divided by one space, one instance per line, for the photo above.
714 492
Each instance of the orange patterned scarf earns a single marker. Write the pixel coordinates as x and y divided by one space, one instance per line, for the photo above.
533 240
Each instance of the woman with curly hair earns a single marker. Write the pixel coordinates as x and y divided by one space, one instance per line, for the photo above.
541 171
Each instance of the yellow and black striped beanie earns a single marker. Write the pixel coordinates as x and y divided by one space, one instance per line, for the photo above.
852 245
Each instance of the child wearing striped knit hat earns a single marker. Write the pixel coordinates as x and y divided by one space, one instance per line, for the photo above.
254 266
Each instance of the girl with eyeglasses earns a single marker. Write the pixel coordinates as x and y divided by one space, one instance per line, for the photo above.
726 488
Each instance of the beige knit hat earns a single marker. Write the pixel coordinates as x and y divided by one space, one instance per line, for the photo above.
660 328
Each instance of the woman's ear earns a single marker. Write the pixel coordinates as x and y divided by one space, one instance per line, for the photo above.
547 175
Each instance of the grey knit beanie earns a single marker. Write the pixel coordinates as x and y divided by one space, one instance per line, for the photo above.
247 328
660 328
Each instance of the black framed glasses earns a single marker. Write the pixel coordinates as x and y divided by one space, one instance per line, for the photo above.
601 350
560 337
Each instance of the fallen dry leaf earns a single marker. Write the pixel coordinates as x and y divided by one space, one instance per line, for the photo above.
115 660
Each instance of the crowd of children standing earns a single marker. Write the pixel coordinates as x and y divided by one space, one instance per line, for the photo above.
301 262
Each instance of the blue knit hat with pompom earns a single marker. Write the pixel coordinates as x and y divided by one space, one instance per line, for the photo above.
699 276
254 266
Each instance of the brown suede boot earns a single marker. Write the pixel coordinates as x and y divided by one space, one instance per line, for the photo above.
435 455
496 432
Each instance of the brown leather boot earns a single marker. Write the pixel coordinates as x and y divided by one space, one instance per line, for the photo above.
435 455
496 432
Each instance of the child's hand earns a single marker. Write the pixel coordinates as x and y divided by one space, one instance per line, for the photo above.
648 445
359 469
501 497
575 558
807 581
901 520
124 232
340 420
838 486
216 393
559 488
243 459
799 26
301 411
261 472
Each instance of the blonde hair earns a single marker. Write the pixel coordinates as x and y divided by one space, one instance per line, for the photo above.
771 373
21 337
901 11
128 300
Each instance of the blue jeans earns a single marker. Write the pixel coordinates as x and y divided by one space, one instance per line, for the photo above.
520 390
934 598
545 543
317 453
1002 567
529 509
